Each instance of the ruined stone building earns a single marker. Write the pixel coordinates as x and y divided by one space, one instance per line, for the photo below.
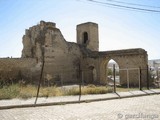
68 62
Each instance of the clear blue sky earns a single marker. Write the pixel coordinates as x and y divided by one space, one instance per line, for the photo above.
118 28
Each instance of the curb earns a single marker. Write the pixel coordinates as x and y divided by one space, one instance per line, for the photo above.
75 102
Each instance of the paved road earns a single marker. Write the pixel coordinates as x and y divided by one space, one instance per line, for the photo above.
138 108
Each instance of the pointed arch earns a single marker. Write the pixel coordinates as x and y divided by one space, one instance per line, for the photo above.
109 72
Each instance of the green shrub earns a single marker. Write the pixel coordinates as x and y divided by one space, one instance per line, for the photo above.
8 92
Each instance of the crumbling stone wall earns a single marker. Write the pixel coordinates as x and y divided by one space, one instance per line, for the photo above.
67 62
61 58
17 69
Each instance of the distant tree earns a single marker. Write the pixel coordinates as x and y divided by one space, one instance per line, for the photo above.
109 71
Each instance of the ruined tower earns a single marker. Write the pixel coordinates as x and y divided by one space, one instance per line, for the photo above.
87 35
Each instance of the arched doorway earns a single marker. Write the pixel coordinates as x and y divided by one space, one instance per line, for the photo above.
110 72
91 75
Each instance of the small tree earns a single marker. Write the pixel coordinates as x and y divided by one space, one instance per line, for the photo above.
109 71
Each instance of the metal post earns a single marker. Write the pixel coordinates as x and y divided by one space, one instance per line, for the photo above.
157 75
114 76
157 78
61 79
39 84
80 82
140 80
127 79
147 78
139 77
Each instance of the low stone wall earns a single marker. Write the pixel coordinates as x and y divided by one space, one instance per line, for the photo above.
15 69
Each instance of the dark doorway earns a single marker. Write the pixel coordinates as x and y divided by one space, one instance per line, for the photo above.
85 37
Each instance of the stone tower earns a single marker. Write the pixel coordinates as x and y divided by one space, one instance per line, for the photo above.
87 35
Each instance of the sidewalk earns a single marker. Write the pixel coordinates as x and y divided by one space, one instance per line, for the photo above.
21 103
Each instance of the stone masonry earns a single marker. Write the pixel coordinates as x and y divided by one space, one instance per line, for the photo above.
67 62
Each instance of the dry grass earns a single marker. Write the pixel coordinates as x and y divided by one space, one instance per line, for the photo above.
25 92
29 91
